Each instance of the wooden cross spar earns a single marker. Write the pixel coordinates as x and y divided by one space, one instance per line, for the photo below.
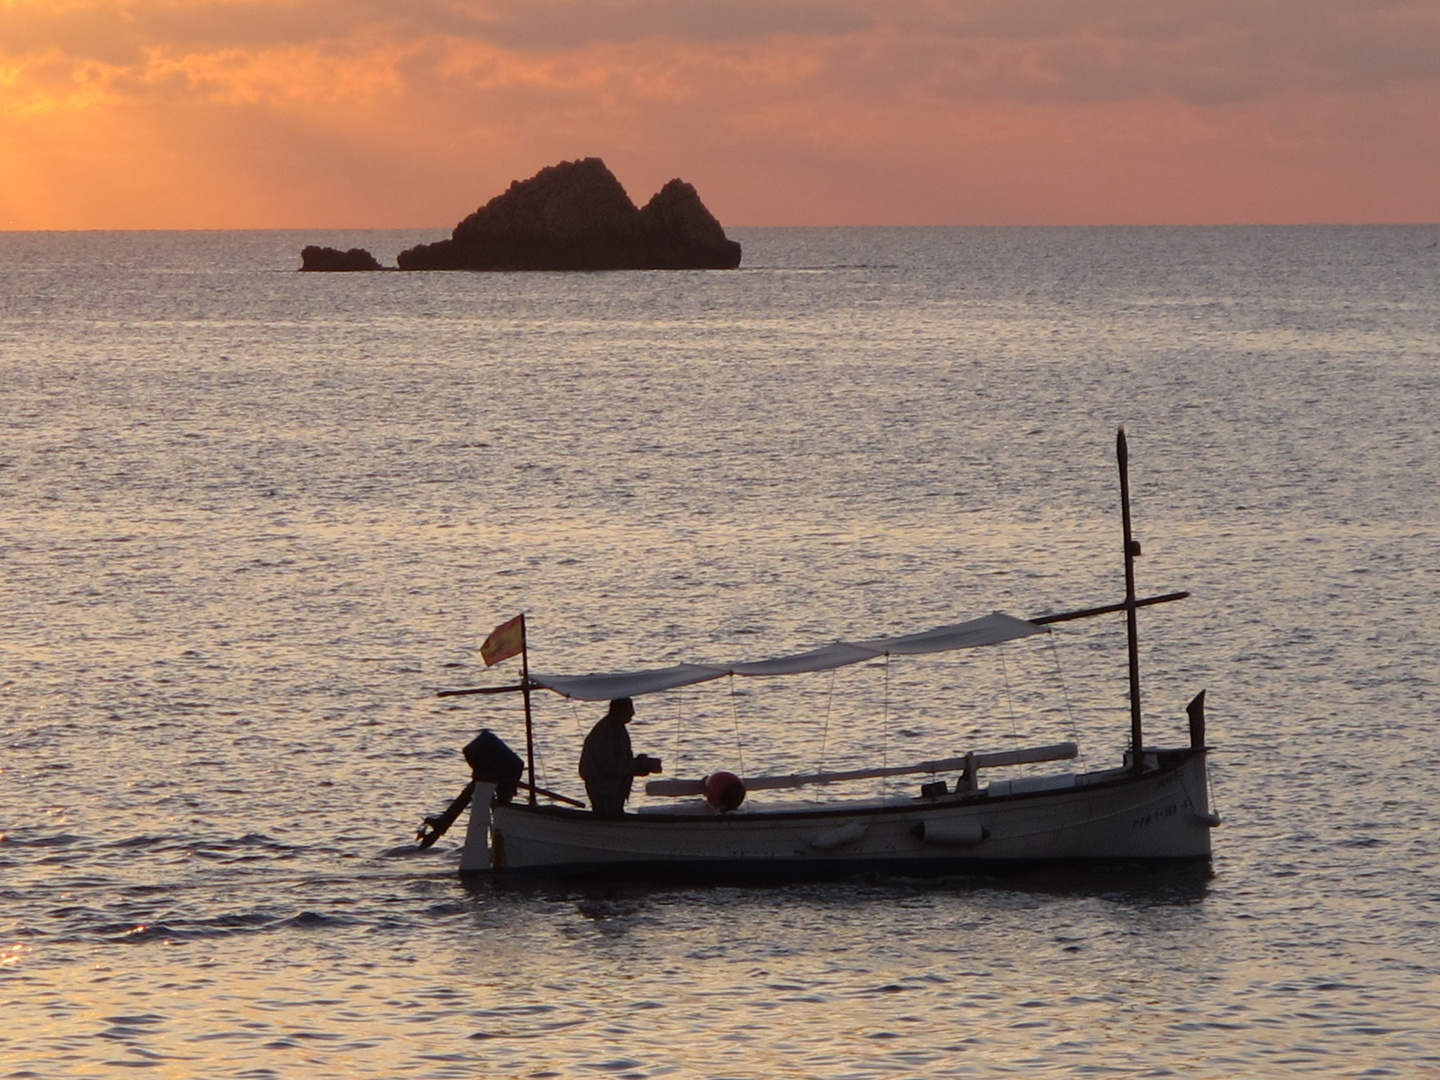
967 763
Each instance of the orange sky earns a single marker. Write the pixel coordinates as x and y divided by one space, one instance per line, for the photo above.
410 113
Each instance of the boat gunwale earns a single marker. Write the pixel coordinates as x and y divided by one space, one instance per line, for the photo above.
789 870
1168 761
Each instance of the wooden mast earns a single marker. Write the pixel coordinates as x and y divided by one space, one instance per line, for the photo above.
1137 742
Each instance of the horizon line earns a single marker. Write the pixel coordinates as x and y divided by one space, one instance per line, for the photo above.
1049 225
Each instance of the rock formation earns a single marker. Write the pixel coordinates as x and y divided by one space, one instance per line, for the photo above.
576 216
330 259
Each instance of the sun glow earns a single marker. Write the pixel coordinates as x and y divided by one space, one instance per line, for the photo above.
163 113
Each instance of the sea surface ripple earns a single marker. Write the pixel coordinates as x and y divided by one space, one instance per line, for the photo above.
252 520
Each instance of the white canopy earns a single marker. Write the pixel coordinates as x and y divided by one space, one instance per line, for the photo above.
990 630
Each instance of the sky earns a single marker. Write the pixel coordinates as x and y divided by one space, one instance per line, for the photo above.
185 114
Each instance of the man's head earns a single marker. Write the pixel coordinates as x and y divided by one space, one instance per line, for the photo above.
621 709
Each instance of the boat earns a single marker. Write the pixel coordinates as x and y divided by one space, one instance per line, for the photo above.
1152 807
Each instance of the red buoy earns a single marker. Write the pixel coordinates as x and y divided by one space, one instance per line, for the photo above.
724 790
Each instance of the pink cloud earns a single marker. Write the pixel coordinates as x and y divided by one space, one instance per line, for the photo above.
365 112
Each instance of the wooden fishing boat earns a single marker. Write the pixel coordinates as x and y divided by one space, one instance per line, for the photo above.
1151 807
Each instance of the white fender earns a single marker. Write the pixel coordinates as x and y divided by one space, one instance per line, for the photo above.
956 833
838 837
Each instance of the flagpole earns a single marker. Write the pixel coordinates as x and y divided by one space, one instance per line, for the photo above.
525 691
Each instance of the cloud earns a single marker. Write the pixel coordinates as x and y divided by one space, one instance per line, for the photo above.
573 24
1207 52
858 105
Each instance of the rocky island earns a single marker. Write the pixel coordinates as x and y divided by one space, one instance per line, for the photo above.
334 260
577 216
570 216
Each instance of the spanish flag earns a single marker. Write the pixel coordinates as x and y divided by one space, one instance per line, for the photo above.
505 641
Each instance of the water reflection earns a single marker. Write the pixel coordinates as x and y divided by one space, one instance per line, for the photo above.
253 519
1129 887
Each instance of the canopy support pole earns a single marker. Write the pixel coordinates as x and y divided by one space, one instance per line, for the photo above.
1137 744
529 724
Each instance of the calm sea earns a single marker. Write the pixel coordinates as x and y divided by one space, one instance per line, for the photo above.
251 520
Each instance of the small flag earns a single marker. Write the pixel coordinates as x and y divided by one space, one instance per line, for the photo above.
505 641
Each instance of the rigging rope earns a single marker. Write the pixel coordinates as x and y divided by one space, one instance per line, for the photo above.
679 718
1065 693
825 730
735 719
1009 700
885 732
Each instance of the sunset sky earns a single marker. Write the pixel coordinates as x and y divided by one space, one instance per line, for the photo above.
410 113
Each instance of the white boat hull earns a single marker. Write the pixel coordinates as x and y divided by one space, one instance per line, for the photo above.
1101 817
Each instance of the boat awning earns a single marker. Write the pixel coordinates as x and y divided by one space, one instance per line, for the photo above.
990 630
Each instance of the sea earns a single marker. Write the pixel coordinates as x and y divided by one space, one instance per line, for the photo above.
253 521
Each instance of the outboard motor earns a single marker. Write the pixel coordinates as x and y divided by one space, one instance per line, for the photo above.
492 762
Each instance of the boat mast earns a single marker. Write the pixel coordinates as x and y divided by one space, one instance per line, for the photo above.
1137 744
